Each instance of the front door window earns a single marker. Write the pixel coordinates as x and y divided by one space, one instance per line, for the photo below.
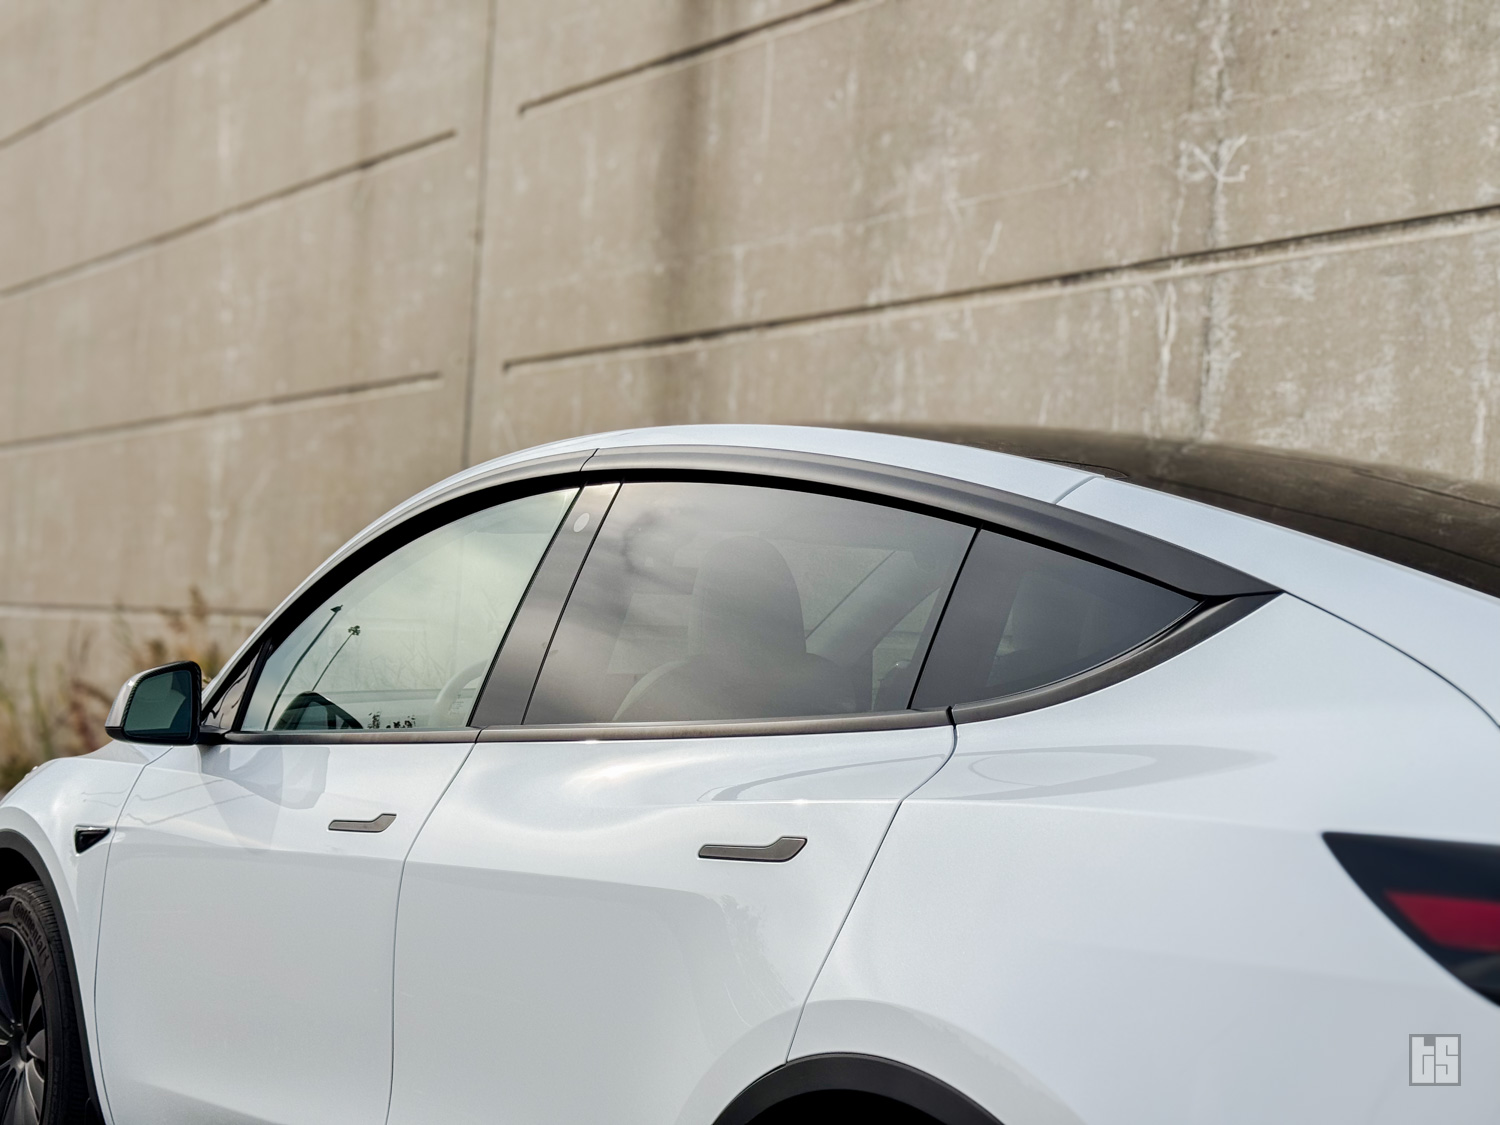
406 644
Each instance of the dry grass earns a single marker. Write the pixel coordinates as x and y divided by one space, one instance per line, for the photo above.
185 637
56 712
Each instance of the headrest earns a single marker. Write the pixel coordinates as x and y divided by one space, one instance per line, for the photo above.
745 603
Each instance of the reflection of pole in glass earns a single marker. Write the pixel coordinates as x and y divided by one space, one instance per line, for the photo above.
353 632
332 613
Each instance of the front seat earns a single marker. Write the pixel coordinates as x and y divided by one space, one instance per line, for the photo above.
748 655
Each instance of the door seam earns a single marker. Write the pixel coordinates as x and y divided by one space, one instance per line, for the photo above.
854 899
95 1039
390 1088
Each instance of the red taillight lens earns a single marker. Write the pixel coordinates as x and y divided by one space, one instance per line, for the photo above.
1470 924
1444 896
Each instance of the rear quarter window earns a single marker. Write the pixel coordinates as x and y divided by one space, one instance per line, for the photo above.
1023 616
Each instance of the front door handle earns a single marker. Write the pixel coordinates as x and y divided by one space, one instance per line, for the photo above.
376 824
779 852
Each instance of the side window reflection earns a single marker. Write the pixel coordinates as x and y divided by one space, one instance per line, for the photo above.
1024 616
406 644
704 601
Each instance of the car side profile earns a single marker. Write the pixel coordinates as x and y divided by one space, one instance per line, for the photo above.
713 775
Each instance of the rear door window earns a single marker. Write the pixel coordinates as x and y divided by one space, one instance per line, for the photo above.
709 601
1023 616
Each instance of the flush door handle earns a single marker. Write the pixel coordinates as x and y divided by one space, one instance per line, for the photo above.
778 852
375 824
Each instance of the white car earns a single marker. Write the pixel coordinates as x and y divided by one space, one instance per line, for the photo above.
719 774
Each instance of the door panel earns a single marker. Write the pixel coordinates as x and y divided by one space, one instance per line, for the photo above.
249 914
1149 922
245 949
562 953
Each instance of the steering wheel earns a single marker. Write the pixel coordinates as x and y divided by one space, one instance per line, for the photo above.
449 695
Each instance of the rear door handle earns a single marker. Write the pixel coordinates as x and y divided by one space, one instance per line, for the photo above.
376 824
779 852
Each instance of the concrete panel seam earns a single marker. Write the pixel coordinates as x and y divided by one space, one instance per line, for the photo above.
1451 224
145 245
137 72
68 609
835 9
476 279
399 383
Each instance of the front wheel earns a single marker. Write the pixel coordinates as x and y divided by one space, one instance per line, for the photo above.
42 1075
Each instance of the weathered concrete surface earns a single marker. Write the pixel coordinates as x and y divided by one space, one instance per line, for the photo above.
242 505
554 49
361 280
1341 115
235 298
289 94
268 267
1382 350
54 52
876 153
1116 358
1389 353
870 154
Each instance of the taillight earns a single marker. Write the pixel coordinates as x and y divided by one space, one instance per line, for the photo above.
1445 897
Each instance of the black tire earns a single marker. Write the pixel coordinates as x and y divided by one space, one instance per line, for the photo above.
846 1107
43 1073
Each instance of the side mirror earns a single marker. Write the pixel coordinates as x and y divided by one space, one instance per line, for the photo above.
161 705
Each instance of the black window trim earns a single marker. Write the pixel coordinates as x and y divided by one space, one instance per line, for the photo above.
1065 529
511 680
256 666
1218 586
1188 631
385 736
814 724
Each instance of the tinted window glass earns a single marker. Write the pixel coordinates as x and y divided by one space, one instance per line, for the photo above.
406 643
719 601
1023 616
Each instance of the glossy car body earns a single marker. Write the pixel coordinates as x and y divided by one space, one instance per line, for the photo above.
1103 899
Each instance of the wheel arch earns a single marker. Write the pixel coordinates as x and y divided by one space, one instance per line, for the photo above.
865 1074
16 867
22 862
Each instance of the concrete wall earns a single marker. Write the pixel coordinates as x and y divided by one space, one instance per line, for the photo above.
269 266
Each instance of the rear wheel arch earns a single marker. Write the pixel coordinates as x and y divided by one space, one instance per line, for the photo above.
21 862
805 1088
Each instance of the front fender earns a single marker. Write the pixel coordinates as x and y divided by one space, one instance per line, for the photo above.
37 819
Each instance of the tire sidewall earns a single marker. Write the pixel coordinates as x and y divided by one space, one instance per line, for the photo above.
27 911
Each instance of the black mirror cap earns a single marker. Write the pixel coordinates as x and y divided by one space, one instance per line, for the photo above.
160 705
